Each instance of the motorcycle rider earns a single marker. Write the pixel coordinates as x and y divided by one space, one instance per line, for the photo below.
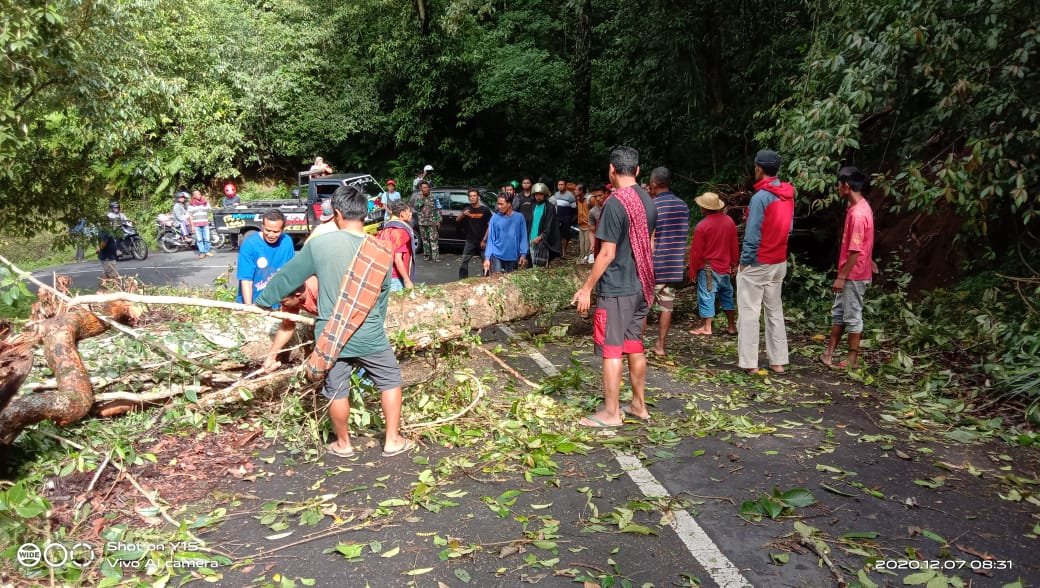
180 212
231 200
115 214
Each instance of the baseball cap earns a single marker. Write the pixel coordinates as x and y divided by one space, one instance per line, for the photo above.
391 182
428 167
326 211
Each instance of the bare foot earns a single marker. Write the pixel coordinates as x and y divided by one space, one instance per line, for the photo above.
700 331
658 352
827 360
731 331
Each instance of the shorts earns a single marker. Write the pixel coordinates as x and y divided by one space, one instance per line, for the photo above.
396 285
664 297
848 306
381 368
721 286
617 325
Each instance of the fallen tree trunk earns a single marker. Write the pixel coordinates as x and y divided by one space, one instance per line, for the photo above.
418 318
74 395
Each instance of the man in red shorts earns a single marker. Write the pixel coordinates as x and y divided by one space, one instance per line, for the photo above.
623 274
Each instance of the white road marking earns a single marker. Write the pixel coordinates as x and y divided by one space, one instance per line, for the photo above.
699 544
546 365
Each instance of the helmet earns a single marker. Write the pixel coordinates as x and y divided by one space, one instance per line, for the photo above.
180 195
515 184
113 205
540 188
427 168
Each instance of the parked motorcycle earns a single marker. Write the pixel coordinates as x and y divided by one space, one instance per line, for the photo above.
131 243
171 240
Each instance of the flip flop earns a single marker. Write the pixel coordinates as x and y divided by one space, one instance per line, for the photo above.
408 446
339 452
627 410
598 424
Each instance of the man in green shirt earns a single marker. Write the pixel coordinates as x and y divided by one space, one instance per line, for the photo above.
329 257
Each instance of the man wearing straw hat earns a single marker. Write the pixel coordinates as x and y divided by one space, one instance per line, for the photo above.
714 253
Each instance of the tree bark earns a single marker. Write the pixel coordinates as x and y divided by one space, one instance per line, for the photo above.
74 396
417 319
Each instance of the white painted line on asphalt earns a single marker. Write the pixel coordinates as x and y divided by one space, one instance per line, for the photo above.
701 547
699 544
546 365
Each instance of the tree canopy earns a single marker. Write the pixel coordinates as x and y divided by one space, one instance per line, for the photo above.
136 98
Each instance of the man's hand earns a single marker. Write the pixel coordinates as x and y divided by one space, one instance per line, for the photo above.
582 299
537 240
271 363
487 265
874 268
483 243
741 267
839 285
408 284
523 261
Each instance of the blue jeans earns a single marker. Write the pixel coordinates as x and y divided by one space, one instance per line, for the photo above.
396 285
499 266
721 286
202 239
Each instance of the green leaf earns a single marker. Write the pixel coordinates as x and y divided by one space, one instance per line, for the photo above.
350 550
780 558
865 580
391 552
798 497
463 575
418 571
861 535
919 578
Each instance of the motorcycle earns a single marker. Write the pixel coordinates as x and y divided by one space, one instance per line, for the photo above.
131 243
171 240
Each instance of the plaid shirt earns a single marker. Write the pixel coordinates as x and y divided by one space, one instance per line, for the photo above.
359 291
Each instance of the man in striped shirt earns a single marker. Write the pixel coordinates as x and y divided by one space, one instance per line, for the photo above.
669 244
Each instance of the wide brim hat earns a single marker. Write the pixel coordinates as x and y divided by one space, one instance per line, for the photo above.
710 201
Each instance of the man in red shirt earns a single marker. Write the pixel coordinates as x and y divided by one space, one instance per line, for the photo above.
714 253
855 267
303 298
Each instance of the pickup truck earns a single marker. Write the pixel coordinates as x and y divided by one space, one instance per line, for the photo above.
302 211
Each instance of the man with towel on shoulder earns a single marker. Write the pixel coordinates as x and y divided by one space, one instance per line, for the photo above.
624 274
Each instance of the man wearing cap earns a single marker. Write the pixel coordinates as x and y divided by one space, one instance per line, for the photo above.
325 224
763 265
855 267
422 177
714 253
623 275
669 245
429 222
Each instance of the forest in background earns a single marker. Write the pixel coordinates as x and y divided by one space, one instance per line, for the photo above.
133 99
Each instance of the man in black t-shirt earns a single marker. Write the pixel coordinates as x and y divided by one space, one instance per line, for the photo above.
473 222
623 272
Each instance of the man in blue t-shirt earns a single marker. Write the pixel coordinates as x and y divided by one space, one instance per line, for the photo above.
262 255
507 240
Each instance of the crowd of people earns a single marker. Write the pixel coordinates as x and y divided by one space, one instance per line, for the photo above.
637 238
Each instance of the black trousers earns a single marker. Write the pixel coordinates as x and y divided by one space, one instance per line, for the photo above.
469 251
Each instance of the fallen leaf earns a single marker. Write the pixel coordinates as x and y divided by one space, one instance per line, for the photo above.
902 454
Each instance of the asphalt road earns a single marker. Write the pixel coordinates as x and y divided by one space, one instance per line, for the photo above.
184 269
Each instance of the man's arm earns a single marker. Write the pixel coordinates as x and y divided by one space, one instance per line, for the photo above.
247 291
753 230
696 253
281 337
402 269
857 228
583 297
287 279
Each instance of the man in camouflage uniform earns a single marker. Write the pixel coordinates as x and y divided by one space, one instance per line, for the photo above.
429 222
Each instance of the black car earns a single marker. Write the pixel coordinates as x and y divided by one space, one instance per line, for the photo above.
451 200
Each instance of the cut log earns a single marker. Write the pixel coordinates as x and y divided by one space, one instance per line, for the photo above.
418 318
74 396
